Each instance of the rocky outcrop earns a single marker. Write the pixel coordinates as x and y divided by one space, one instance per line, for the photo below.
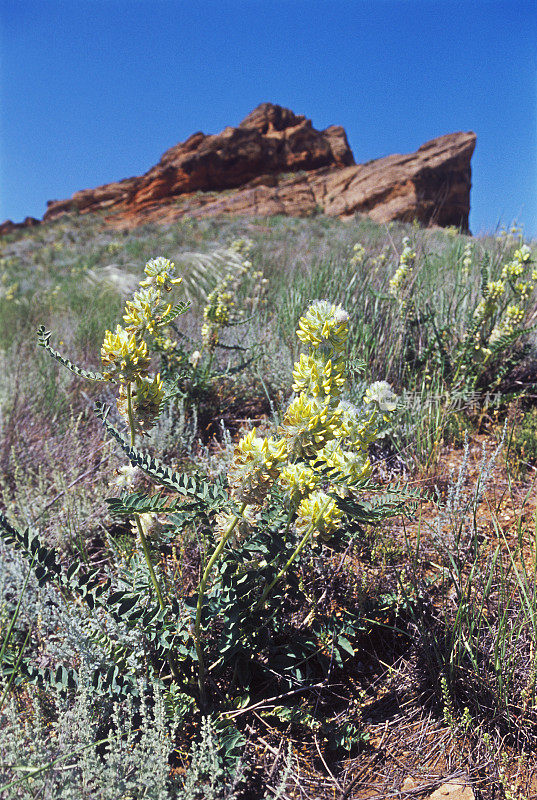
8 226
431 186
275 162
270 141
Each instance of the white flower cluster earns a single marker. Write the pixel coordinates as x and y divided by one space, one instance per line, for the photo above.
467 257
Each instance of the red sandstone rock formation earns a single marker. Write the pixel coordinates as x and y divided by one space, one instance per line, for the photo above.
275 162
8 226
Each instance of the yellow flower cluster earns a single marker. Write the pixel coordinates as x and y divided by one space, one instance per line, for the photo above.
318 512
483 310
509 238
216 314
114 247
523 254
308 424
123 357
124 352
146 312
146 401
377 262
160 274
351 465
401 278
381 394
325 326
298 480
504 301
322 451
495 289
325 379
255 467
523 289
358 255
488 306
467 259
218 303
242 246
511 320
515 268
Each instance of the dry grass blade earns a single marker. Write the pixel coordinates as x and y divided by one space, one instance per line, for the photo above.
202 271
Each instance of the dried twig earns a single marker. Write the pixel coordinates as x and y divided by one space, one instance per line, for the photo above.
336 783
270 700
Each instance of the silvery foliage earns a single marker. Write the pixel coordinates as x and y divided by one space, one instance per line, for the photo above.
85 746
205 779
67 631
95 751
88 750
456 522
174 426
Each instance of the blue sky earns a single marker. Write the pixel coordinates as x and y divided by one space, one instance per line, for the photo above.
93 91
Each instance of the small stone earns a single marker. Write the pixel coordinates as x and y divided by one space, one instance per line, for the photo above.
453 790
408 784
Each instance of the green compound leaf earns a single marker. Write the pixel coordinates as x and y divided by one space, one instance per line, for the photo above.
123 605
211 494
43 339
108 681
388 504
140 503
176 311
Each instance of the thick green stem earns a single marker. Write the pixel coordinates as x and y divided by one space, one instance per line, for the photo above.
201 593
149 563
301 545
303 542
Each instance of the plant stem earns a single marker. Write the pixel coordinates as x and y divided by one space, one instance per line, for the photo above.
147 556
201 593
141 533
145 546
281 573
301 545
130 414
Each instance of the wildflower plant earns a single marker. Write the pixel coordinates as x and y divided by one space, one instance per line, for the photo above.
306 485
400 282
499 322
232 301
221 310
307 479
491 343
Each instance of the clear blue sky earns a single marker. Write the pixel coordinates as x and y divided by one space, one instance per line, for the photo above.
95 90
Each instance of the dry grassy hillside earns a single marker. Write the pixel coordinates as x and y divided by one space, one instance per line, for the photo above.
339 604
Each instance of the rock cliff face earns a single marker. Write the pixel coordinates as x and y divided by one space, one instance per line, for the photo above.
275 162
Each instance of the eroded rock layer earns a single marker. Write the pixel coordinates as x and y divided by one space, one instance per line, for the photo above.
275 162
